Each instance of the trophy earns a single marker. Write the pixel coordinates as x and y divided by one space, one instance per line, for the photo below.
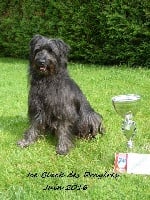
127 106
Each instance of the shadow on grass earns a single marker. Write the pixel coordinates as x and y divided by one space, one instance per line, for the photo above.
17 125
13 127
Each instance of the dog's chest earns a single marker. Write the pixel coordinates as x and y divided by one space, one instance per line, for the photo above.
52 94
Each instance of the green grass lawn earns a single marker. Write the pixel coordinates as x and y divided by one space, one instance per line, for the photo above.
99 84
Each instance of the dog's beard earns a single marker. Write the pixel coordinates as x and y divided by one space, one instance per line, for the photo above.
45 63
46 69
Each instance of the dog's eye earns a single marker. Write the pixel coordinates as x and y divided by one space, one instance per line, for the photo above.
36 51
49 49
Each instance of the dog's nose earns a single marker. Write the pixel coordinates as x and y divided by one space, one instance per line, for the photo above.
42 62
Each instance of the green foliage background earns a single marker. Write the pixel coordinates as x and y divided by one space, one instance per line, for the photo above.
107 32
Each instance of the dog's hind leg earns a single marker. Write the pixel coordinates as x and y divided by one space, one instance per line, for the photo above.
65 139
90 124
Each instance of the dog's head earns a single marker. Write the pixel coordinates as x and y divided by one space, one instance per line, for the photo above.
47 56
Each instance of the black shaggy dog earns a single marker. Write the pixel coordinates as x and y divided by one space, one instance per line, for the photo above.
55 101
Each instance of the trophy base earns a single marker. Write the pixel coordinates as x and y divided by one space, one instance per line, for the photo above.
132 163
130 144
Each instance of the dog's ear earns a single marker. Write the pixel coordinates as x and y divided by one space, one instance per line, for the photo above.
64 48
35 39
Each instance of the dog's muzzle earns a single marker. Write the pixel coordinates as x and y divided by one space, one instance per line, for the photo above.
43 68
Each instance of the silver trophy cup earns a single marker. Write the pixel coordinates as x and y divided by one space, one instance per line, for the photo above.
127 106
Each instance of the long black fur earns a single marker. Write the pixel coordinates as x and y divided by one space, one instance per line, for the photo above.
55 101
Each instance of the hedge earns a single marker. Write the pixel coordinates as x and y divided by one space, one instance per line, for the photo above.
107 32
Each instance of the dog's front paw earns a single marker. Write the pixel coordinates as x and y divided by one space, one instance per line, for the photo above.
62 149
64 146
23 143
